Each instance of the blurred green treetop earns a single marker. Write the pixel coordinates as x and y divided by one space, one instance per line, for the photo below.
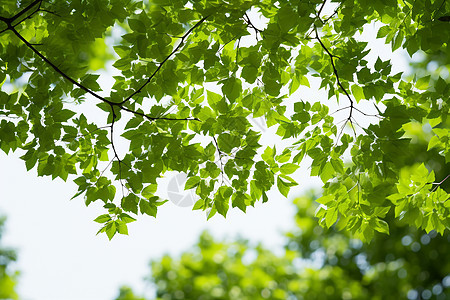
316 263
8 277
163 102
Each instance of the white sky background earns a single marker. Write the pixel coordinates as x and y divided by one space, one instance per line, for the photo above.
60 257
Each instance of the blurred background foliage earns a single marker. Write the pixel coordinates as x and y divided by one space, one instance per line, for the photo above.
435 64
8 277
316 264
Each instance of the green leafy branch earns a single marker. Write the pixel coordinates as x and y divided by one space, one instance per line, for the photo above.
36 5
34 8
112 104
9 21
437 184
176 49
336 74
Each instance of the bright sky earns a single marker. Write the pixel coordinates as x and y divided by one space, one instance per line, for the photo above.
60 257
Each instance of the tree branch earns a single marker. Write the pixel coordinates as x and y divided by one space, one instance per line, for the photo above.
164 61
336 74
334 68
58 70
74 82
320 9
23 11
439 183
250 24
150 118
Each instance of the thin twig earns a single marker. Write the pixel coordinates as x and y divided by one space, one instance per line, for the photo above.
58 70
439 183
250 24
8 22
150 118
320 9
334 68
332 15
164 61
367 115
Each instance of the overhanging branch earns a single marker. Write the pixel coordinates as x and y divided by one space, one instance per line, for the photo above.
120 105
164 61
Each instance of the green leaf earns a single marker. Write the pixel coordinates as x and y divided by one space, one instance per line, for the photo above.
192 182
423 83
90 81
103 218
283 187
63 115
398 40
149 190
434 142
211 213
111 229
288 168
294 85
327 172
383 31
136 25
357 92
381 226
331 216
126 218
240 200
130 203
122 228
222 205
232 88
147 208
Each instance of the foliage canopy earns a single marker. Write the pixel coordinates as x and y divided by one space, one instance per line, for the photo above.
192 76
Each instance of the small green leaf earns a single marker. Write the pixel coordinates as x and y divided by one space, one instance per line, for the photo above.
381 226
192 182
103 218
137 25
331 216
232 88
283 187
111 230
383 31
149 190
398 40
126 218
423 83
147 208
288 168
357 92
122 228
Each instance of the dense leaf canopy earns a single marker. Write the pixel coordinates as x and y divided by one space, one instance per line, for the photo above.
191 77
